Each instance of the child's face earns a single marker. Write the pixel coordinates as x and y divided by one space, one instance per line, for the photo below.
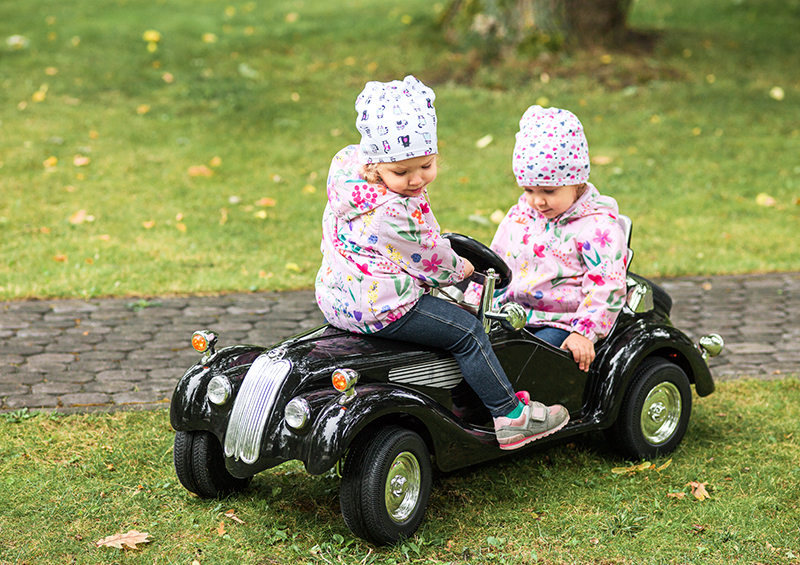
552 201
409 177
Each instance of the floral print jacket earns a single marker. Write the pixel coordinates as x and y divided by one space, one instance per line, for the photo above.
380 251
568 272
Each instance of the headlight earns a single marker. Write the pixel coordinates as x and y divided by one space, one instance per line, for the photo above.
219 390
297 413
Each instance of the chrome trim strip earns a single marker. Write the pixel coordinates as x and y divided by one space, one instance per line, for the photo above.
443 373
253 406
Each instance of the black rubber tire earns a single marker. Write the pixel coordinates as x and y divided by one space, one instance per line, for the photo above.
364 483
200 465
659 377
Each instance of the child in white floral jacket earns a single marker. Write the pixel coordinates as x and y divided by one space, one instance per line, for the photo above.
383 251
562 239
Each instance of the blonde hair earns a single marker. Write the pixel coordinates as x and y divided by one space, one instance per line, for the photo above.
369 173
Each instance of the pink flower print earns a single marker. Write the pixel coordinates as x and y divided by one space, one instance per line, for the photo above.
543 307
586 325
602 238
432 266
538 250
417 215
425 208
597 279
363 268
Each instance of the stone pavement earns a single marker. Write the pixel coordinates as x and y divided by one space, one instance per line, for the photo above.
107 354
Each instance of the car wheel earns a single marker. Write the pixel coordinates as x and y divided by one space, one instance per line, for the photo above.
200 465
655 412
386 484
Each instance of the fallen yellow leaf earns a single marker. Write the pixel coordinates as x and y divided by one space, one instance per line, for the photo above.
80 161
664 466
221 529
210 37
484 141
167 77
181 227
261 214
601 160
215 161
678 495
232 515
266 202
149 224
50 162
200 171
497 216
152 35
143 109
78 217
122 541
764 199
699 490
293 267
59 258
309 189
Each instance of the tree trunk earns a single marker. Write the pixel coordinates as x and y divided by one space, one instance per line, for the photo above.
537 24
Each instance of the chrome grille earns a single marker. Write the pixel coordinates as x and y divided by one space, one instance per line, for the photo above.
253 406
443 373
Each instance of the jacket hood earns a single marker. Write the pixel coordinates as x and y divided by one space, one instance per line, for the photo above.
349 195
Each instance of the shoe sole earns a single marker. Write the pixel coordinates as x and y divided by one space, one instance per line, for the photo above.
529 439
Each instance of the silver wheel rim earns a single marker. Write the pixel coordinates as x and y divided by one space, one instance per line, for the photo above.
661 413
402 486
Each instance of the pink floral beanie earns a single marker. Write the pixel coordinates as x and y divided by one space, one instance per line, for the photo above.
397 121
551 149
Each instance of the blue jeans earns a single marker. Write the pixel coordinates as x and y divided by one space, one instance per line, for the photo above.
553 336
433 321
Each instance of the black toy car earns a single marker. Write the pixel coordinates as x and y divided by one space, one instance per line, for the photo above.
383 412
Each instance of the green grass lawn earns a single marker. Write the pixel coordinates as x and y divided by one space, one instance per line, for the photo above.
69 481
199 167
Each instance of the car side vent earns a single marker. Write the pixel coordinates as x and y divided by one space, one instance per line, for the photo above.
443 373
253 406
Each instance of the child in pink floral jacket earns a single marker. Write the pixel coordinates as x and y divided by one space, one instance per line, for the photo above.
562 239
383 251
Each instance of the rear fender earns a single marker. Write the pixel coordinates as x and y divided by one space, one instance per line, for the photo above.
628 351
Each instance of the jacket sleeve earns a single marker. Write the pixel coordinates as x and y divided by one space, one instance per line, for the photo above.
604 252
410 237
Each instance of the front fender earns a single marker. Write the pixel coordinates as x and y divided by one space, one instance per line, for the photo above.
639 342
189 409
454 443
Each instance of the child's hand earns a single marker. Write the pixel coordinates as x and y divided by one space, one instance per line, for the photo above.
468 268
582 350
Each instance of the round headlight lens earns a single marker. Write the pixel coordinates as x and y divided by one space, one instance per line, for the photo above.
297 413
219 390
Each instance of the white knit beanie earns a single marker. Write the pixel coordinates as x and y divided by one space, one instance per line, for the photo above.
551 149
397 121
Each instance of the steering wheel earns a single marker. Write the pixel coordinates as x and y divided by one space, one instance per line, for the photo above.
481 257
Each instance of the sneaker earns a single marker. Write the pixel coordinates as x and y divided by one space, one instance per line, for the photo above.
537 421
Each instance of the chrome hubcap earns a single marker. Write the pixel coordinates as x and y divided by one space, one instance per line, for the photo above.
402 486
661 413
